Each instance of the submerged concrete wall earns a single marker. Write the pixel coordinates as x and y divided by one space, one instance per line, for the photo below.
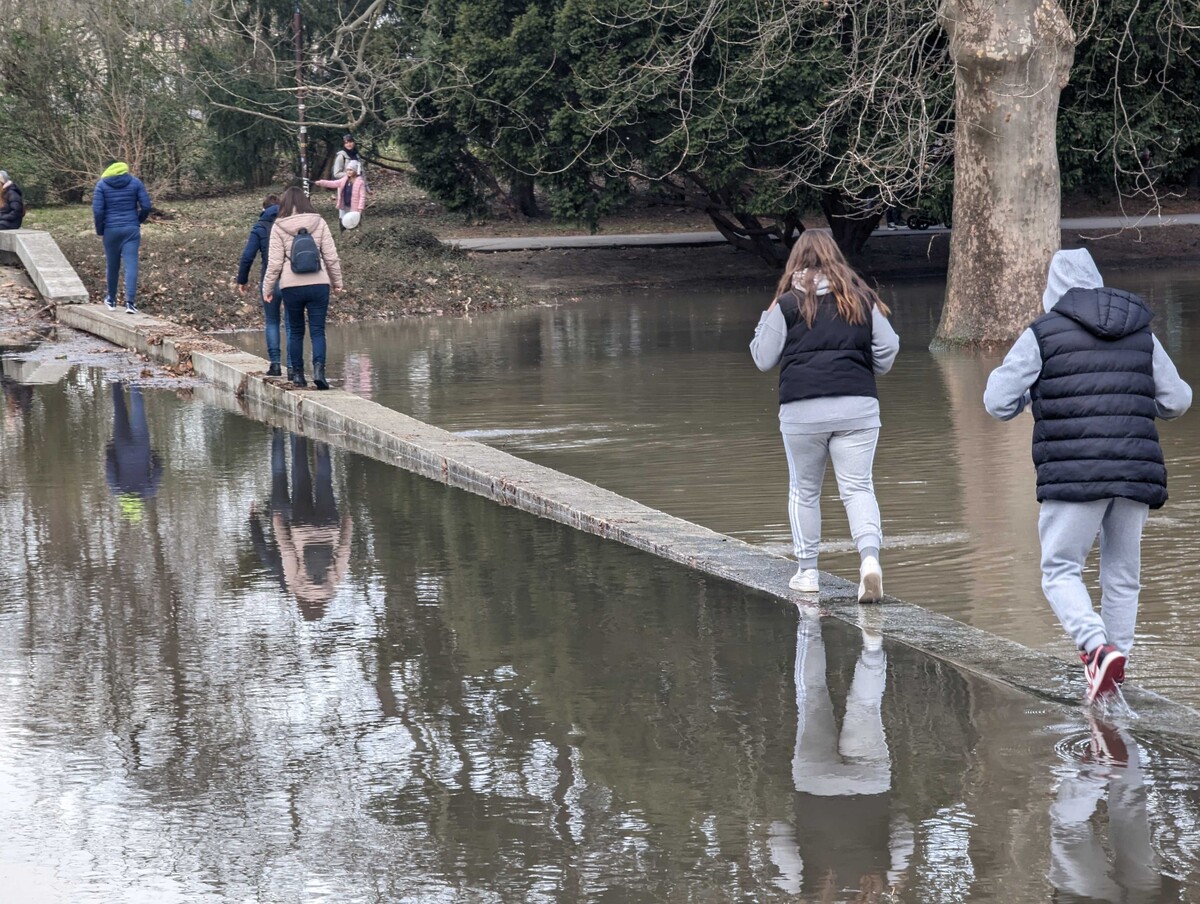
370 429
46 265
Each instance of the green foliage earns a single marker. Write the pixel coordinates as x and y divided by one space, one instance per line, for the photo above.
1129 120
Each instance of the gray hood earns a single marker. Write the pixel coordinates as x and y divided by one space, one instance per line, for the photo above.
1070 270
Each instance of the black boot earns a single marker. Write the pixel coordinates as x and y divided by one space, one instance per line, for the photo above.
273 370
298 376
319 375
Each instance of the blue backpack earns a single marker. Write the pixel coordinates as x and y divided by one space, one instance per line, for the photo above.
305 256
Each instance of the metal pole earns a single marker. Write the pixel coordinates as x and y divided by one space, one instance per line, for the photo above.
297 35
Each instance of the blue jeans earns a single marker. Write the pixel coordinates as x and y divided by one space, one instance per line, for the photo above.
314 300
121 246
272 311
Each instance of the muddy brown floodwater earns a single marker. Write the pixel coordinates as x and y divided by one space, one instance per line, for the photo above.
241 666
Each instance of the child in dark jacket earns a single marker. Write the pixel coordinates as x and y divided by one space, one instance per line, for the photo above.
256 245
1096 378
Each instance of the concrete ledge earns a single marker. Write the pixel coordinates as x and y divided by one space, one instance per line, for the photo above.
370 429
46 265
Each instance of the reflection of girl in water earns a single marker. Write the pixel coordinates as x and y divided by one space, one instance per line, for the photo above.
311 553
134 470
844 835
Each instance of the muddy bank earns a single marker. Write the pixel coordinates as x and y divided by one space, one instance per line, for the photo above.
24 318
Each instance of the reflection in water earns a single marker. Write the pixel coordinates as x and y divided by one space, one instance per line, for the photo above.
845 834
134 469
311 550
18 399
1081 867
492 707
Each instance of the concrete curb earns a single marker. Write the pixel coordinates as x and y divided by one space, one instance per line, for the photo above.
47 266
370 429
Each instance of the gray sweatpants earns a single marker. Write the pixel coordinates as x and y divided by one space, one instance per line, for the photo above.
1068 531
853 455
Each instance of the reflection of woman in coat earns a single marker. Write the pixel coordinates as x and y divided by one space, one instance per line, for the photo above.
311 553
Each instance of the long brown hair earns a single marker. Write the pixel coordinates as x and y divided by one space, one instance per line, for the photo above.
294 201
816 256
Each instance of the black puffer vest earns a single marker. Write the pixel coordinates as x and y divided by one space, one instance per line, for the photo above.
833 358
1093 404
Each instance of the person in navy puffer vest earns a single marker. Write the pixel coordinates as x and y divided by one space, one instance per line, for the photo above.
828 332
1096 379
120 204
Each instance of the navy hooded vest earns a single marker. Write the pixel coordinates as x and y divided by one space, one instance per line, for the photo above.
1093 404
833 358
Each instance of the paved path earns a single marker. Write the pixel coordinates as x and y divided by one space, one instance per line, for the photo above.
694 239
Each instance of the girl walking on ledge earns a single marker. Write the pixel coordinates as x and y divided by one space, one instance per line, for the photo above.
828 331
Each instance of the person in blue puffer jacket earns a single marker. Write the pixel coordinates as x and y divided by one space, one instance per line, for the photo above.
120 204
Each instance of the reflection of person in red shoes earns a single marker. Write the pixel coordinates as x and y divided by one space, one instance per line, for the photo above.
1110 771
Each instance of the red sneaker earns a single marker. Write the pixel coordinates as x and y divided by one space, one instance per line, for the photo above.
1105 671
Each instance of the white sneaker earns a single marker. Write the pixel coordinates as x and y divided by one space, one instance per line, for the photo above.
806 580
870 581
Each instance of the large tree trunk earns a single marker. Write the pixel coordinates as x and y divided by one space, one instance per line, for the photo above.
1012 59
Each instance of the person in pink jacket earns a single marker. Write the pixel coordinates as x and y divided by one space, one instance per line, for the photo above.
306 292
351 194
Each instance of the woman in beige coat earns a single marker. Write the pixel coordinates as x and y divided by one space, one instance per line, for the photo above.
304 291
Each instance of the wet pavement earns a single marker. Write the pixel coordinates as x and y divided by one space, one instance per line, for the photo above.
242 666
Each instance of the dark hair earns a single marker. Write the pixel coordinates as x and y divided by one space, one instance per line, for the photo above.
294 201
816 256
347 137
269 200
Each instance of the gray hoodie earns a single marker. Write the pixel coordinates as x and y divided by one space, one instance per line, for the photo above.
1008 387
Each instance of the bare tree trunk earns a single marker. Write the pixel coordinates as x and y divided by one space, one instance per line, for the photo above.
520 189
1012 58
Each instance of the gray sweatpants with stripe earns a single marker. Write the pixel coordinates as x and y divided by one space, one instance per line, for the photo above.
1068 531
853 455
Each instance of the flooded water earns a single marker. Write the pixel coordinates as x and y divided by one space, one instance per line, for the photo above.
656 398
239 665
